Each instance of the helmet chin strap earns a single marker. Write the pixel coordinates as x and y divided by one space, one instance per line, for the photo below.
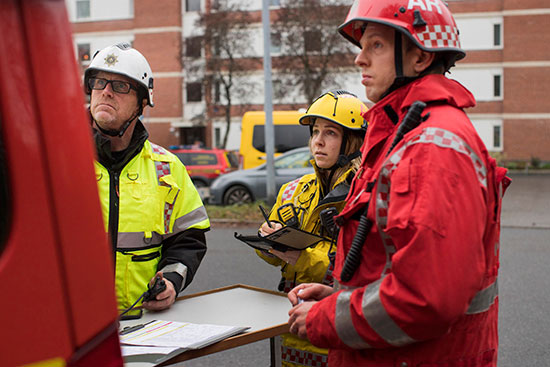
342 160
122 130
400 79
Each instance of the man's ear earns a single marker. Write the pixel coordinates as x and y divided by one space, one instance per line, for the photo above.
423 60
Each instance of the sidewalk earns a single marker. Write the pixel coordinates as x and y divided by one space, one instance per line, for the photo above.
526 204
527 201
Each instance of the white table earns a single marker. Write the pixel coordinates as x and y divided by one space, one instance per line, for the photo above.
264 311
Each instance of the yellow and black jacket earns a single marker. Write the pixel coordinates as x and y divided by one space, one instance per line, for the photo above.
152 212
313 265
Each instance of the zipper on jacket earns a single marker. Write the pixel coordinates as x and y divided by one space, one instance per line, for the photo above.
114 202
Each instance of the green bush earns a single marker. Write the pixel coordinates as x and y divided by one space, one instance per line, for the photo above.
243 212
535 162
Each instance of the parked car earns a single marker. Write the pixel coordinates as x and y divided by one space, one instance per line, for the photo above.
249 185
204 165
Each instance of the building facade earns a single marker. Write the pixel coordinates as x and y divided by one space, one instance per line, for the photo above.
507 68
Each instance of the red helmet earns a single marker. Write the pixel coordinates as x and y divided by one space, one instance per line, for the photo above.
428 23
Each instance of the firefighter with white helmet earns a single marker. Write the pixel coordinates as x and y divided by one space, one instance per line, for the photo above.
152 212
416 264
123 60
337 131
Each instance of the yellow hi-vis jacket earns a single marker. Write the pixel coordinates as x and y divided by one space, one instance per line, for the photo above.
313 264
154 208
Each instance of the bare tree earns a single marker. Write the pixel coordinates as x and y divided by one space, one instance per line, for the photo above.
226 39
313 50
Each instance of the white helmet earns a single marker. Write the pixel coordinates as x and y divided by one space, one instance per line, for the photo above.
124 60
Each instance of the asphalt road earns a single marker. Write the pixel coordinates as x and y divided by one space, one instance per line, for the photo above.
524 300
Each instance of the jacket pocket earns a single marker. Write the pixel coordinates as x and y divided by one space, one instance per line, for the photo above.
401 196
146 257
134 270
435 191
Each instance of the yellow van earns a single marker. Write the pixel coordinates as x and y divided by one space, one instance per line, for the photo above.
289 134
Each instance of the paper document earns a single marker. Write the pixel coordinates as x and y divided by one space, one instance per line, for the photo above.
159 333
132 350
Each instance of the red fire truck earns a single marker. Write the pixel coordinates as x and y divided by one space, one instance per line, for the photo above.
58 304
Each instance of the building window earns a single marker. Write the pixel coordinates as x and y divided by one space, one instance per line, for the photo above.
192 5
274 2
496 136
217 92
496 34
83 52
497 81
217 137
313 41
216 47
82 9
275 43
194 92
193 47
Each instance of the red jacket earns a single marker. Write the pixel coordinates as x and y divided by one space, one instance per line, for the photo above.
425 292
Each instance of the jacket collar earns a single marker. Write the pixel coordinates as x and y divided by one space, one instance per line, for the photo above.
433 88
103 148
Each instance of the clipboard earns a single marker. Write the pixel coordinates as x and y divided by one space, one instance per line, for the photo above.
283 239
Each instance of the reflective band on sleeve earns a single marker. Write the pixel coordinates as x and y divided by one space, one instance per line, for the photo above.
344 325
446 139
176 268
190 219
303 358
484 299
430 135
378 318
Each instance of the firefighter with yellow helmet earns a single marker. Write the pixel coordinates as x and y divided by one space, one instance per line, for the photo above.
337 130
153 214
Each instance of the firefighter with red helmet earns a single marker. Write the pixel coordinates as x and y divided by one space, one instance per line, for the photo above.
418 249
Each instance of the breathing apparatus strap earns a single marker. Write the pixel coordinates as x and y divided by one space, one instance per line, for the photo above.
398 51
345 159
400 79
342 161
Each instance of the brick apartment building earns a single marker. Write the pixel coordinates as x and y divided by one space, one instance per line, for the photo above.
507 67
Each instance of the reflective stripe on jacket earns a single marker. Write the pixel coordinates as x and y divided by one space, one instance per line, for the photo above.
313 265
157 200
425 293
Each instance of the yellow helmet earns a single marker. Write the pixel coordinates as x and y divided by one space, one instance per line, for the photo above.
339 106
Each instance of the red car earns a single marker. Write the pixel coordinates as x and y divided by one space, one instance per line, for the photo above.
204 165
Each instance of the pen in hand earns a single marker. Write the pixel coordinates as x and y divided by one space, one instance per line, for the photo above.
265 216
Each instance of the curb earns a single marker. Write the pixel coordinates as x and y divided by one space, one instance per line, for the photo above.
238 223
528 172
235 223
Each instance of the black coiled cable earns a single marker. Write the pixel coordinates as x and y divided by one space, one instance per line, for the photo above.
353 258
